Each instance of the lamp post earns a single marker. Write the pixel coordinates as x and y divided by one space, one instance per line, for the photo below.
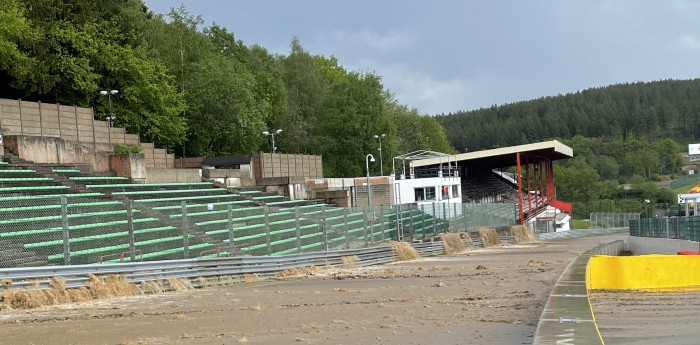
272 134
646 203
111 118
381 161
369 158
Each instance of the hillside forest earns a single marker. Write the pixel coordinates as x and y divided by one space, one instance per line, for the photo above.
627 138
198 90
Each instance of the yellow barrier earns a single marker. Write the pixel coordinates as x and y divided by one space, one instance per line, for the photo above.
643 272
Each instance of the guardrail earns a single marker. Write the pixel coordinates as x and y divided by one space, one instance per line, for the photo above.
263 266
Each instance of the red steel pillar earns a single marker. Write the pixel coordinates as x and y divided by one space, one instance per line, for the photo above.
527 178
536 171
543 195
520 188
551 179
550 195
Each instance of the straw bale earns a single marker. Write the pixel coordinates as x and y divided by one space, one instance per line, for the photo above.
466 240
119 285
490 236
521 234
350 260
251 277
58 283
404 251
152 286
299 271
179 284
452 243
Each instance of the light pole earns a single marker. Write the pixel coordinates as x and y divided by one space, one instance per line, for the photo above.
646 203
111 118
381 161
272 134
369 158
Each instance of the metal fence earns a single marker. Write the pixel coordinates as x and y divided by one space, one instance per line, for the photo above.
41 230
675 184
682 228
612 220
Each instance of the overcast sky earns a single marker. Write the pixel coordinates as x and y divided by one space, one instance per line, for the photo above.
443 56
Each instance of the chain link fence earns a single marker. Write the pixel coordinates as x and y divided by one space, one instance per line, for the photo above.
675 184
600 220
82 228
681 228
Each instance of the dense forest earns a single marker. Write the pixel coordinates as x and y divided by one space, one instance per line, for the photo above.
653 110
199 91
625 138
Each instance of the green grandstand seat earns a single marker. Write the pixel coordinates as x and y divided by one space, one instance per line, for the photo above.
188 198
269 197
98 178
150 186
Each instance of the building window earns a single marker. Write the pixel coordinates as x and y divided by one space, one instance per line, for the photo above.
426 193
445 192
455 191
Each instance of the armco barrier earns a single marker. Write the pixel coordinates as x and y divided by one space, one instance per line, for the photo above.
263 266
567 317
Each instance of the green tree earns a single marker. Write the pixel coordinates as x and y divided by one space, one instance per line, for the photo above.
225 116
353 113
669 152
14 30
305 94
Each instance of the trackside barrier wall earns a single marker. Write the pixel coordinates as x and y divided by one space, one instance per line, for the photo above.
644 272
263 266
86 228
567 317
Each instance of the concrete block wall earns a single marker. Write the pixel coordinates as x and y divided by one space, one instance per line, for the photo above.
382 191
287 165
74 124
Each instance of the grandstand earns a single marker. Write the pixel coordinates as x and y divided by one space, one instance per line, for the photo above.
68 214
483 179
56 212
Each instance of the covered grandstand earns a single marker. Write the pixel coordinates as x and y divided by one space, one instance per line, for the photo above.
485 180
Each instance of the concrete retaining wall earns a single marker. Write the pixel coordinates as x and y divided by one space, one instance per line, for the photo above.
130 165
55 150
648 245
160 175
281 164
73 124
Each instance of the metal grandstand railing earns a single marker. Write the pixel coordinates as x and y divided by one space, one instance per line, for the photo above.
86 228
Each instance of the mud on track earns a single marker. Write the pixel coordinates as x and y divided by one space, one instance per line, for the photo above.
635 317
492 296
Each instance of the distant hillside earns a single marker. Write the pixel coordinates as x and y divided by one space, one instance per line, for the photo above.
660 109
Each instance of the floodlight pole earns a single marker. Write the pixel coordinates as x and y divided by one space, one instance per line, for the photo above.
109 94
381 161
369 158
272 135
